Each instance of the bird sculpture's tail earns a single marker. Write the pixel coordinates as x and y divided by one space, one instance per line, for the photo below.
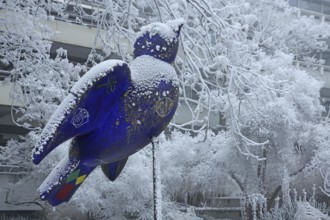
63 181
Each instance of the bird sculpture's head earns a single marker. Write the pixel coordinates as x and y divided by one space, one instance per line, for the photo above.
159 40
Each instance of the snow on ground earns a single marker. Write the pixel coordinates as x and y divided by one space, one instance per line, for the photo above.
307 212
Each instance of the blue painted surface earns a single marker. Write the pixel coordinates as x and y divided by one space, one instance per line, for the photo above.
157 47
112 120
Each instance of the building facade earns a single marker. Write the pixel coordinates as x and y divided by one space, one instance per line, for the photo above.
78 40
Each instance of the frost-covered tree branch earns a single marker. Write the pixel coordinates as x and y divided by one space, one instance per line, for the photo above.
235 61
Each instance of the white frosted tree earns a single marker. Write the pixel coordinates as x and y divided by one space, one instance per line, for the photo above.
39 82
237 59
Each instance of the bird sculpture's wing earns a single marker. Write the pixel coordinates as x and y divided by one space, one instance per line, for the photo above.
112 170
83 110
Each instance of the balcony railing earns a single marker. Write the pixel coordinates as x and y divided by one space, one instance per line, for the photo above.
11 170
317 6
86 13
4 74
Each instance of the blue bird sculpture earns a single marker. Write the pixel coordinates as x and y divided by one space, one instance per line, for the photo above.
112 112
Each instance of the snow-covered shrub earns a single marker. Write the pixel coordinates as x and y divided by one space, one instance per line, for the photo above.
236 58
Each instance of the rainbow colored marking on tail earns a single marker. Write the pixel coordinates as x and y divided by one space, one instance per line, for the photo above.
63 182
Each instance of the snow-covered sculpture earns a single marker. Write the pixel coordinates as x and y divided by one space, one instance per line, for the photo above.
112 112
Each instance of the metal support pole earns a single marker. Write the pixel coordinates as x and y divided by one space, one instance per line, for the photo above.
157 193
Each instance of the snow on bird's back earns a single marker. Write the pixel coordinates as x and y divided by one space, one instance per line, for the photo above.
147 72
95 73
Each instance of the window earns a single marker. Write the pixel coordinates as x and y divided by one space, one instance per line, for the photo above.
320 6
293 3
316 55
326 7
316 5
326 58
304 4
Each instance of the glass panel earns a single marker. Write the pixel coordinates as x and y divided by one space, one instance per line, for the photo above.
316 5
316 55
328 42
293 3
326 57
326 7
304 4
